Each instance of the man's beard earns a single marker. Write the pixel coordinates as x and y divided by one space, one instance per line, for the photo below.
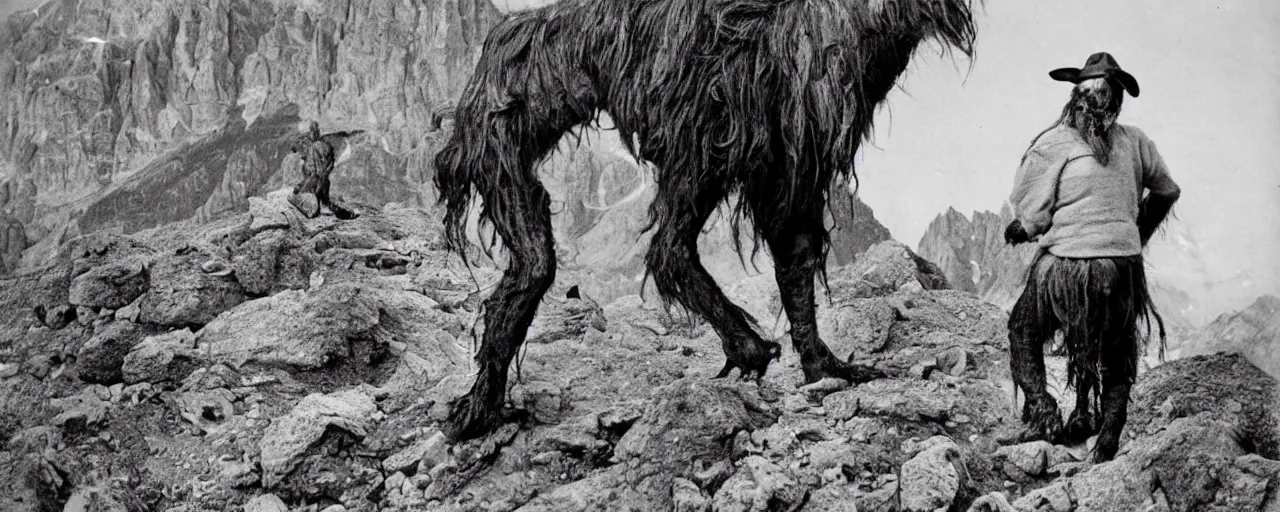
1094 123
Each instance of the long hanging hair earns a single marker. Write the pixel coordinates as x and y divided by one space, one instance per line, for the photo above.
1091 111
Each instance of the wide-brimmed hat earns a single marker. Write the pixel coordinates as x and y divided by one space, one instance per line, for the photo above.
1099 65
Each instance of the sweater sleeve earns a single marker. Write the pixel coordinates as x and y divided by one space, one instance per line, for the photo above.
1033 191
1155 175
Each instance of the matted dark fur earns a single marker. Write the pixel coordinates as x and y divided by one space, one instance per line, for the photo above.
769 99
1105 312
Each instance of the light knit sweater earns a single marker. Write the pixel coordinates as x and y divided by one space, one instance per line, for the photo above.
1079 208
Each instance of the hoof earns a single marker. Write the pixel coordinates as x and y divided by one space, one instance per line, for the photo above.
834 368
1079 428
1104 450
1042 423
469 419
752 363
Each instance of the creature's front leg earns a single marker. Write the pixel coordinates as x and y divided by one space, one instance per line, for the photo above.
523 219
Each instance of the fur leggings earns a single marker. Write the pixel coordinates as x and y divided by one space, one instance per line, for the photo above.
1101 306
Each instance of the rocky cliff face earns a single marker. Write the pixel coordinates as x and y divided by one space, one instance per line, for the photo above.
1253 332
973 255
126 115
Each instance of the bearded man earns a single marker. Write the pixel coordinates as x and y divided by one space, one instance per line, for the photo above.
1078 193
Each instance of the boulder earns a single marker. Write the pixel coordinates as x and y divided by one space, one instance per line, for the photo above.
856 328
879 271
166 357
932 479
1225 385
113 285
758 486
288 438
1194 463
101 359
668 442
183 295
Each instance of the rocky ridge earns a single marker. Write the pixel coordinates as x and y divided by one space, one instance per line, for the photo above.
1253 332
266 362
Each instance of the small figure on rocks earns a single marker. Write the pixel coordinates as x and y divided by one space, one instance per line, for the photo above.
318 155
1079 194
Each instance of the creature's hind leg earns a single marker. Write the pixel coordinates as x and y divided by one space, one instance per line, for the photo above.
797 253
522 217
678 273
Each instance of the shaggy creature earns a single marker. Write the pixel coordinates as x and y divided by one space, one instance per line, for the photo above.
1077 192
318 155
768 99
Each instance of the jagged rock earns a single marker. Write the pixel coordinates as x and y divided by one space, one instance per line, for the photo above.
758 486
205 408
170 356
666 443
994 502
92 499
293 328
266 503
13 240
974 257
832 498
1197 462
933 478
272 261
182 295
86 316
854 226
289 437
880 270
306 203
545 401
57 317
1253 332
687 497
430 451
1027 459
563 319
857 327
307 330
88 407
913 400
100 360
1227 386
954 361
112 286
273 212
